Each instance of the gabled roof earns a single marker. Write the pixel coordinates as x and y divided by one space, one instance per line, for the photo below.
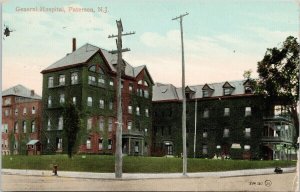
85 52
227 85
177 94
189 90
21 91
206 86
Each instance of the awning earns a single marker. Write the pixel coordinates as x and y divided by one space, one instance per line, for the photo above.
32 142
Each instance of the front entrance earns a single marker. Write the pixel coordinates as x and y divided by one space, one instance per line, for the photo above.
267 153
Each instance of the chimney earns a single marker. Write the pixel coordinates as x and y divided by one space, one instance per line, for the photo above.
32 93
73 44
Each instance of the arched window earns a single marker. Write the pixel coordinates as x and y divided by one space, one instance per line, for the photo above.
146 83
140 82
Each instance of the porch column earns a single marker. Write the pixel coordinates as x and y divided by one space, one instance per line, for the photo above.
142 147
129 145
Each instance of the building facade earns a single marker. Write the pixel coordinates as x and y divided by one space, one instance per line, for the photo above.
21 121
228 119
87 77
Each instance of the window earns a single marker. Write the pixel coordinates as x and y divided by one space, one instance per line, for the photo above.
60 123
48 141
204 149
50 82
111 104
4 128
32 126
248 90
130 87
49 124
59 144
147 112
24 111
49 101
247 147
6 112
100 144
205 93
101 80
141 92
7 101
92 80
24 126
89 123
109 144
227 91
129 109
101 124
129 125
62 80
101 103
247 132
136 147
16 145
16 112
111 83
140 82
146 94
90 101
62 98
74 100
74 78
146 83
206 113
248 111
204 134
226 111
88 143
110 124
226 132
218 147
137 110
33 110
16 129
92 68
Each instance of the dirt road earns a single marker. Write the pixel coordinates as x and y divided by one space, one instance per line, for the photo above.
280 182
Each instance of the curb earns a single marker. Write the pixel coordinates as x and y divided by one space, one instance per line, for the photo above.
133 176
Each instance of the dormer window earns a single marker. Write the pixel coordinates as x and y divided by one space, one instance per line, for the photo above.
248 90
189 93
248 86
227 88
207 91
227 91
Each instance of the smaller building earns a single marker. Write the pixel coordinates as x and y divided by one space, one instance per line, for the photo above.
222 119
21 120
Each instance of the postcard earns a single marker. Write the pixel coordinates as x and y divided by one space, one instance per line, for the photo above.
154 95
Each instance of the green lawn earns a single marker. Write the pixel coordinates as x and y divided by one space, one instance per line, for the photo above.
103 163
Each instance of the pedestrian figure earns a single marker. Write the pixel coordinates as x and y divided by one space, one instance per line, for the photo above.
55 169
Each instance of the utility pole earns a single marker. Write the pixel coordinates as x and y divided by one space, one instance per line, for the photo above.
120 69
184 162
195 126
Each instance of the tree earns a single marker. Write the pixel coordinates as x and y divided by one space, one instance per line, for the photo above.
71 127
279 76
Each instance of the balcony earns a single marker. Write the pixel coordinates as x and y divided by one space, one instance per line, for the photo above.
133 133
278 139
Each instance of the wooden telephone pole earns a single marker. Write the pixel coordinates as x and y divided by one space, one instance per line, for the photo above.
184 163
120 69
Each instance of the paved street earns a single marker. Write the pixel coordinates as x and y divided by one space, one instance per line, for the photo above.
273 182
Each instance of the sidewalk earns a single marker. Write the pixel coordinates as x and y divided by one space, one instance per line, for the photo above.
90 175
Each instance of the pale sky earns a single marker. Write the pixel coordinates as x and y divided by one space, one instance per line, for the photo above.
222 38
